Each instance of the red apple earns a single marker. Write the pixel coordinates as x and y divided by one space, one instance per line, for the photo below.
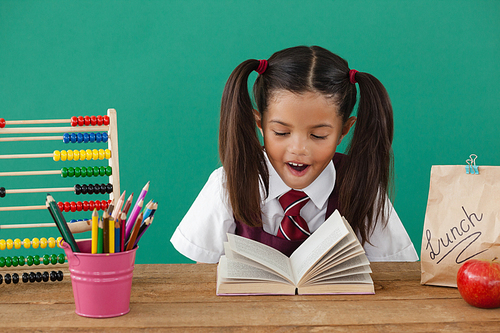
478 282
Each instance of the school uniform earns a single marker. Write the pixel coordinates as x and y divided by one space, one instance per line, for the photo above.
202 232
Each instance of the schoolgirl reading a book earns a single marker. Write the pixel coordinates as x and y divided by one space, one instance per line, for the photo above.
282 192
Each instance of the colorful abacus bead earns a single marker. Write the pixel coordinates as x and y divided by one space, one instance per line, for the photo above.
2 192
86 172
91 189
2 123
56 276
17 243
35 242
52 242
76 155
15 261
89 120
85 137
32 277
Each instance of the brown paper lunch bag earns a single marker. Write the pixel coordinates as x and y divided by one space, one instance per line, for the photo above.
462 221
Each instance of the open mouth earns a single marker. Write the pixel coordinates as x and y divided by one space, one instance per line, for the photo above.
299 167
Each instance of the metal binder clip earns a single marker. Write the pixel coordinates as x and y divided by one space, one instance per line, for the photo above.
471 167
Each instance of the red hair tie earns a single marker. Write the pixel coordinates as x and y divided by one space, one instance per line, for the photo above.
352 76
262 66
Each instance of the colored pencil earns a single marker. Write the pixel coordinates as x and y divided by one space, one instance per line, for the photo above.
143 229
95 228
111 235
148 210
110 209
100 238
122 231
132 218
135 211
134 233
118 206
105 232
127 205
117 236
61 223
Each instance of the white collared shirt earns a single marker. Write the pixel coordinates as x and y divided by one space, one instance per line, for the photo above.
202 232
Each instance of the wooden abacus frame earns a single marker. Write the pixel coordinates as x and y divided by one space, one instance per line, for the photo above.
111 129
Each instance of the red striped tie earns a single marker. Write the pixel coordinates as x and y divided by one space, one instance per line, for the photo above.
293 226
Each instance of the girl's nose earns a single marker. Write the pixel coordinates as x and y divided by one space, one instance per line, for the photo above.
298 145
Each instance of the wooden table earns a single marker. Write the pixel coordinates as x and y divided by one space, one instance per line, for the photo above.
181 297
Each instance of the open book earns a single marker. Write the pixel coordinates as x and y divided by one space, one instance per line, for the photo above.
330 261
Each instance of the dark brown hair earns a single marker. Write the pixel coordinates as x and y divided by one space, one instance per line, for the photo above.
366 171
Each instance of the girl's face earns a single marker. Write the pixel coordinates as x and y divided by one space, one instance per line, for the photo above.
301 133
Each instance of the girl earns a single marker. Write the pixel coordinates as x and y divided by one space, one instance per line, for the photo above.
280 193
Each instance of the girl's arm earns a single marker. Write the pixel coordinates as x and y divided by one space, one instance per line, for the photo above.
390 242
202 232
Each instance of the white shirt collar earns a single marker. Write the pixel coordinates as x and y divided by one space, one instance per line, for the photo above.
318 191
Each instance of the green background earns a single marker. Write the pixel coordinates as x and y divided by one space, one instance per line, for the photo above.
163 64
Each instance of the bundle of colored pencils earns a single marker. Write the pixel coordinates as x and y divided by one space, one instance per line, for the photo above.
117 233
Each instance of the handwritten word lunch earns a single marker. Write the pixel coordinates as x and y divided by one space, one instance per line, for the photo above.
460 234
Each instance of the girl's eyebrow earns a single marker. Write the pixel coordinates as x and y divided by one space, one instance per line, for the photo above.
287 125
280 123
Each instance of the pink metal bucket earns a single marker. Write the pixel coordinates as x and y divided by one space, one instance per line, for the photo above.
101 282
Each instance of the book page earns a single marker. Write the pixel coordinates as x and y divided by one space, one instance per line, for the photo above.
356 265
353 284
235 270
261 253
231 255
355 278
329 259
344 262
336 258
318 244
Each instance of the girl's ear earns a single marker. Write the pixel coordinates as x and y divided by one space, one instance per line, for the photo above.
258 119
347 126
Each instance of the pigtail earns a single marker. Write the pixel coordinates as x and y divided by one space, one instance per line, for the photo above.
367 170
240 150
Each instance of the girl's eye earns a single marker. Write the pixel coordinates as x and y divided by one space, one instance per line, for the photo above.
280 133
319 136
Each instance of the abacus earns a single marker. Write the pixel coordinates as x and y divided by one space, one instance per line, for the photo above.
20 261
83 130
